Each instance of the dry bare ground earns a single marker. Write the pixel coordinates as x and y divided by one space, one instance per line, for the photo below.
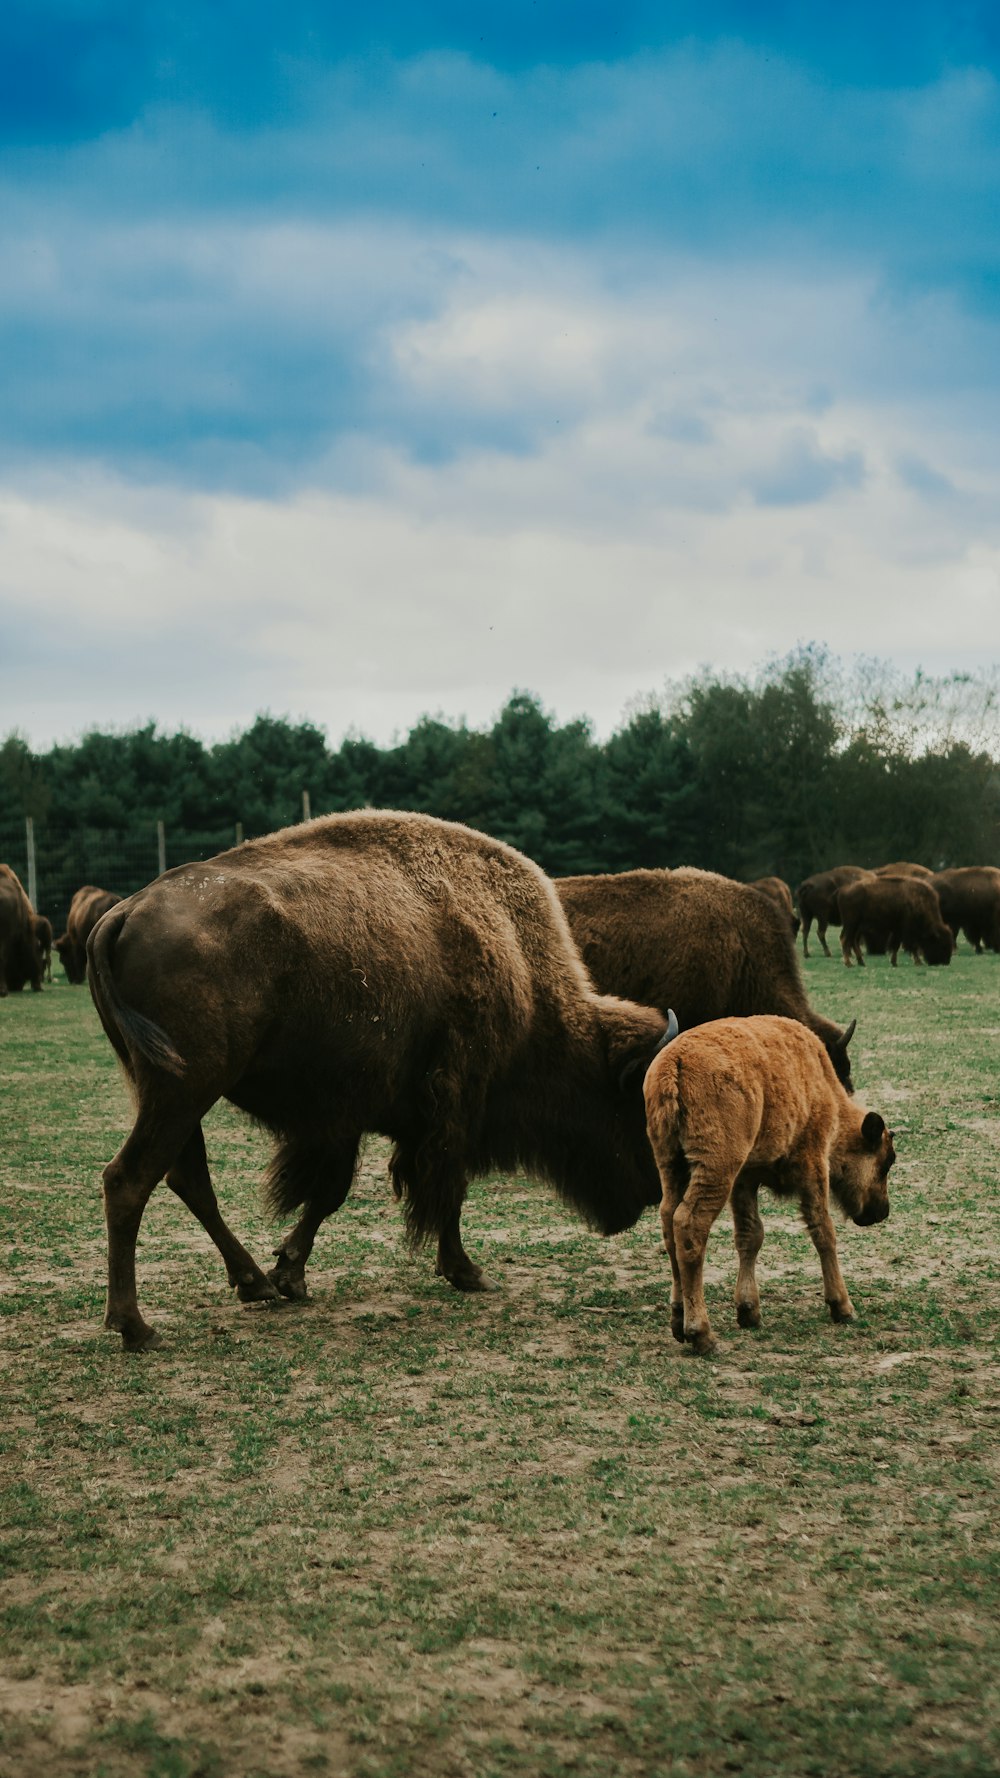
401 1531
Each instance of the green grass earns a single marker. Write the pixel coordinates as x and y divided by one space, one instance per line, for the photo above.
401 1531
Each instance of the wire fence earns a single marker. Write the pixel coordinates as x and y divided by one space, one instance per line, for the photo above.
53 862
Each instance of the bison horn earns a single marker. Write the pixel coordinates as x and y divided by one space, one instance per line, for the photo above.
670 1033
848 1034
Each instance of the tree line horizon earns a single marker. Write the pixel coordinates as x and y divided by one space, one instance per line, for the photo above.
800 766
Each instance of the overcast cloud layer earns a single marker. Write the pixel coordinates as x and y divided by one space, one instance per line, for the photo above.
360 372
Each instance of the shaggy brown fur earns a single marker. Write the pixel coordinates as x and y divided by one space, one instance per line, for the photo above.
85 909
817 899
904 870
893 914
703 944
781 895
20 951
744 1103
970 903
372 971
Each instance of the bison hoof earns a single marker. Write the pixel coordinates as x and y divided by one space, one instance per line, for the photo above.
747 1315
288 1284
473 1279
842 1311
701 1343
677 1322
257 1290
146 1341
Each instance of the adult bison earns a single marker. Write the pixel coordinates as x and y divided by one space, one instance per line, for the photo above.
781 895
703 944
85 909
370 971
970 903
893 914
904 870
20 952
817 899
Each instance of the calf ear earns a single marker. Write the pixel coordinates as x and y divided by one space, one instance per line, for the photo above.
872 1129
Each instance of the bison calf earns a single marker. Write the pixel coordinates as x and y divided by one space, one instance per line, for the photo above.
743 1103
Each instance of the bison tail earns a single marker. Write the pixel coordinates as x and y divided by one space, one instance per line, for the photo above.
128 1030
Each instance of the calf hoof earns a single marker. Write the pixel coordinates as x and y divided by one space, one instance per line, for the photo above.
842 1311
702 1344
677 1322
747 1315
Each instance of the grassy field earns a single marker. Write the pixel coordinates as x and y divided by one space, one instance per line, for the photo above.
400 1531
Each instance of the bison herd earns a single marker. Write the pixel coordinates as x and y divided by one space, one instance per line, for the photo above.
393 973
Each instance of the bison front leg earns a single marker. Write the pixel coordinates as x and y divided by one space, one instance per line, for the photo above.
318 1176
748 1235
453 1262
189 1178
693 1218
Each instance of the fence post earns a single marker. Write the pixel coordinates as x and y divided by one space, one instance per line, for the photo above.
161 846
306 809
29 834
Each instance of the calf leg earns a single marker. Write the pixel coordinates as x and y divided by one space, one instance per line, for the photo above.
814 1195
325 1173
748 1234
705 1196
189 1178
675 1180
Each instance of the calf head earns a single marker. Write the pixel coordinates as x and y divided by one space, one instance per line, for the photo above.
859 1169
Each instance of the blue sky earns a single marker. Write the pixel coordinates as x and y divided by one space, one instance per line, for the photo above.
359 365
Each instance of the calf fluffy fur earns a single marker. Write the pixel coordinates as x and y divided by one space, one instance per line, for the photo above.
741 1103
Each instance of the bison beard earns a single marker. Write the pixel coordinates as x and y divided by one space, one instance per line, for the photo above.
367 972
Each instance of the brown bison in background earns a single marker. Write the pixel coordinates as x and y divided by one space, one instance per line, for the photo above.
745 1103
970 903
43 938
704 945
85 909
817 899
904 870
781 895
20 951
893 914
372 971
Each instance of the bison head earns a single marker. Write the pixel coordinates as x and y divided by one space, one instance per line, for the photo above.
939 945
859 1170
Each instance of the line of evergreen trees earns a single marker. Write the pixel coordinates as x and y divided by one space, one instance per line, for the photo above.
800 766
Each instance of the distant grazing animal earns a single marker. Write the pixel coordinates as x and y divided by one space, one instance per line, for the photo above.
778 890
744 1103
703 944
85 909
20 952
369 971
817 899
904 870
43 937
893 914
970 903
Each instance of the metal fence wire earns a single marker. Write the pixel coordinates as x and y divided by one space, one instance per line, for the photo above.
56 861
